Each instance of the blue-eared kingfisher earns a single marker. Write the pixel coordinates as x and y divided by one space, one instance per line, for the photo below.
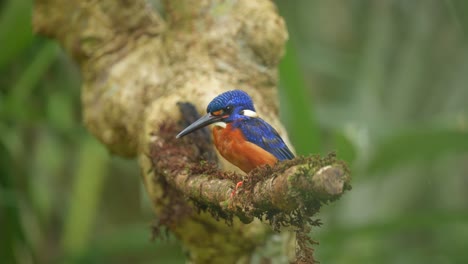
241 137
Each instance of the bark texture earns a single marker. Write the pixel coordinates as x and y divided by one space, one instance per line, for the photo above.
138 68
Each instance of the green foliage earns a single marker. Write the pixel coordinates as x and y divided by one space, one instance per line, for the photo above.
54 205
382 83
425 145
15 30
10 227
388 84
301 120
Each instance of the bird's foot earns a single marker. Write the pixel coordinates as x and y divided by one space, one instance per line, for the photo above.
239 184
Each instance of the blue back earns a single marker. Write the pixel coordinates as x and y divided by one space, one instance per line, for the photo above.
259 132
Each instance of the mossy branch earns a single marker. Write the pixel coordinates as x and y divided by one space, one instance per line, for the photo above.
304 183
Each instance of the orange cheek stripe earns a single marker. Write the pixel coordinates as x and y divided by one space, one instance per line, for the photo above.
217 113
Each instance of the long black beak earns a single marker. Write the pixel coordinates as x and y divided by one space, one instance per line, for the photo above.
202 122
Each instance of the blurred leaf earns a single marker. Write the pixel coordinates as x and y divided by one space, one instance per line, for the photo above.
372 72
128 242
409 221
12 235
85 197
15 29
412 62
44 173
420 145
9 222
345 149
432 234
133 240
60 111
303 128
17 101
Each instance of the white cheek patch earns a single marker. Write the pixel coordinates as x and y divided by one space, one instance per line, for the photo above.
220 124
249 113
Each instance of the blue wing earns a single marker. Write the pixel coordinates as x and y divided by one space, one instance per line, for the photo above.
259 132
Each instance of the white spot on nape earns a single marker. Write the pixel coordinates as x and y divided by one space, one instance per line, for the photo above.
249 113
220 124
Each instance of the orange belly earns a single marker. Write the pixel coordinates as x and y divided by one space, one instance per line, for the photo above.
232 145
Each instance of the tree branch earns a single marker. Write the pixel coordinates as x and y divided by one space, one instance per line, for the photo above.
283 188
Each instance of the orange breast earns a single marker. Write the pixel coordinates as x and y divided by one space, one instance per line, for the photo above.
232 145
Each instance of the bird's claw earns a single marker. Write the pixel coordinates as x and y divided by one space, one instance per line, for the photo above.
239 184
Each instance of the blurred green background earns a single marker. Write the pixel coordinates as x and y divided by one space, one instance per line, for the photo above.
383 83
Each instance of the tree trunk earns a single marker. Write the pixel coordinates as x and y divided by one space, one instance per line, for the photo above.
138 70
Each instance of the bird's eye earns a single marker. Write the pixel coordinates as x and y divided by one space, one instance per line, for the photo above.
221 112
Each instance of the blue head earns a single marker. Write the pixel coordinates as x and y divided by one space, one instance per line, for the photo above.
226 107
231 105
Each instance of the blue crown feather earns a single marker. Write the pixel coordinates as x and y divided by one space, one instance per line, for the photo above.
231 98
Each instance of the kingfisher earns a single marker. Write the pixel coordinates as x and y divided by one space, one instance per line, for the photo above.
240 135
